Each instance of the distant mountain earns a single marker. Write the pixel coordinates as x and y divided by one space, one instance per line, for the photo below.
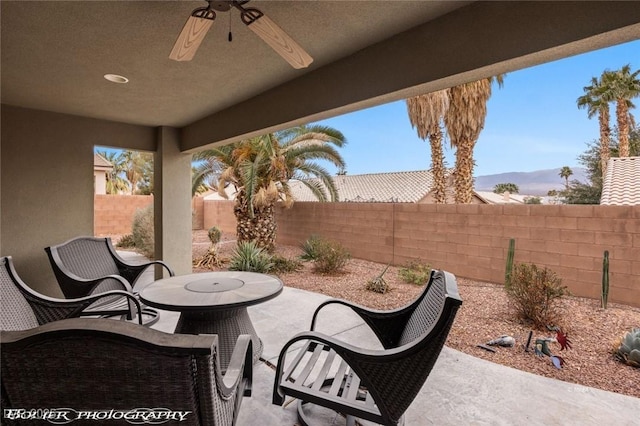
531 183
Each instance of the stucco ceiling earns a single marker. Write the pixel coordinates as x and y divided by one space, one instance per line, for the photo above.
55 53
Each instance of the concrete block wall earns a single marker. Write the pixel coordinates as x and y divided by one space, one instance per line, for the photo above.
113 214
197 211
472 240
219 214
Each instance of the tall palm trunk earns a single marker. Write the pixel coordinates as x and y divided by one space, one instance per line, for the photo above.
464 121
622 116
425 113
437 167
463 178
605 139
260 228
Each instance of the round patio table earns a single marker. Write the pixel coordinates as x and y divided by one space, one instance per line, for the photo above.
215 303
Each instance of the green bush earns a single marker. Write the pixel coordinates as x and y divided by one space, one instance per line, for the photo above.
535 293
126 242
415 272
283 265
330 257
249 257
142 231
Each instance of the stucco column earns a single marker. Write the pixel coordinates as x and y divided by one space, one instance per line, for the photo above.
172 202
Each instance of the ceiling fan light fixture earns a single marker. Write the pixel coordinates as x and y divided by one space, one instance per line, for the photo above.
115 78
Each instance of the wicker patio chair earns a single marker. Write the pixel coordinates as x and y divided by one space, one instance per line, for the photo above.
375 385
89 265
24 308
117 367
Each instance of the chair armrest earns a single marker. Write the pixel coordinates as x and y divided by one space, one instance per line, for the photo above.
92 298
49 309
386 325
240 367
131 272
351 354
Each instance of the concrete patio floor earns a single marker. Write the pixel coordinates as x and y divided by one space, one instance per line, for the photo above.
461 389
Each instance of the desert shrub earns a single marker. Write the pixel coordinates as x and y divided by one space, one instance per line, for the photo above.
210 259
214 235
282 264
249 257
310 248
415 272
331 257
142 231
535 292
126 241
378 284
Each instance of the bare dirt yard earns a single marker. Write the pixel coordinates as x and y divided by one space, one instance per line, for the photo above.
486 314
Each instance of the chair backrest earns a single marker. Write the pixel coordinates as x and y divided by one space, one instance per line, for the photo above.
85 257
16 313
427 311
399 379
92 364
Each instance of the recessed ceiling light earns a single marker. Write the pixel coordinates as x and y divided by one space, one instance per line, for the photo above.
116 78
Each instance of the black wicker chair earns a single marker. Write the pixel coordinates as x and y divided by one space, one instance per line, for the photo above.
24 308
90 265
374 385
122 369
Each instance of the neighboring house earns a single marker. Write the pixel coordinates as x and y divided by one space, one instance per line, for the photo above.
392 187
101 167
508 198
621 186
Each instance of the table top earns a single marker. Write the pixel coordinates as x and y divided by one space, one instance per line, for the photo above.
211 290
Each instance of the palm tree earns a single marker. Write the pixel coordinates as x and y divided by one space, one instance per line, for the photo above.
260 169
426 113
565 172
115 182
596 101
510 187
138 168
622 86
464 120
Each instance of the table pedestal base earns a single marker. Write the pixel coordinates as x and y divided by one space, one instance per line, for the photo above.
228 324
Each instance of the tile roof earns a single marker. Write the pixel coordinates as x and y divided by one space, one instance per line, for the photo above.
100 162
621 184
493 198
398 187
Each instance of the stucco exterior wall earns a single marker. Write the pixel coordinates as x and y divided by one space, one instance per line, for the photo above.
47 183
472 240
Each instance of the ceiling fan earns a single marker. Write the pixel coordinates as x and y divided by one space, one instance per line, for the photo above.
202 18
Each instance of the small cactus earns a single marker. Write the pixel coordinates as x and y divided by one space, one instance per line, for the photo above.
605 279
628 350
509 268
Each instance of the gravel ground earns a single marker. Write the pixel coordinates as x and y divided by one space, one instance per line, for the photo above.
486 314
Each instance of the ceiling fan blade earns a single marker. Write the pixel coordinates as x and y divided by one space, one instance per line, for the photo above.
192 34
280 41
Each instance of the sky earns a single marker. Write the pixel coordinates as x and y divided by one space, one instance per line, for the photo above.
532 122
